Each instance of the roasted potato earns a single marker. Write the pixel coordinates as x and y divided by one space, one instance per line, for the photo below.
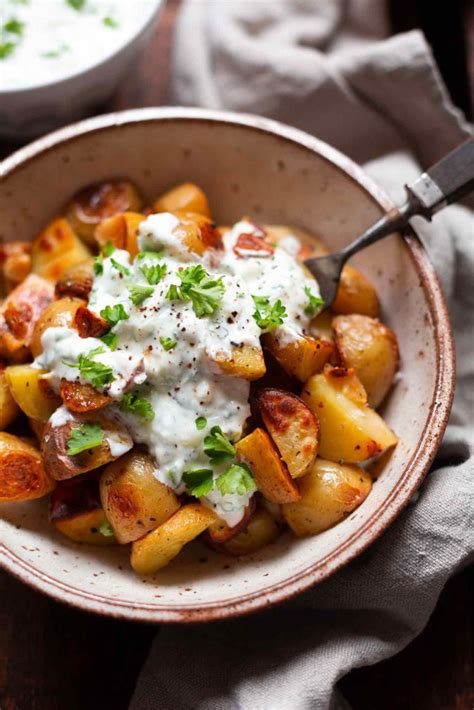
59 314
321 326
292 426
98 202
260 531
370 348
22 475
37 428
269 471
301 357
56 249
197 233
89 324
219 532
76 280
79 398
350 430
310 244
19 314
76 512
9 409
186 197
246 362
15 264
155 550
32 391
355 294
328 493
121 231
134 500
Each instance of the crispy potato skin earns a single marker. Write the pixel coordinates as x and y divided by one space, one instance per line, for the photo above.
219 532
121 231
269 471
370 348
355 294
56 249
186 197
32 391
15 264
37 428
22 475
302 357
9 409
159 547
76 280
19 314
59 314
135 502
98 202
76 512
89 324
197 233
292 426
260 531
350 430
246 362
80 398
328 493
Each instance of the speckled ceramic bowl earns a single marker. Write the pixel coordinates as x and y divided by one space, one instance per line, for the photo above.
247 165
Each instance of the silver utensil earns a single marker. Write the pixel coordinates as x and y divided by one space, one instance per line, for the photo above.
445 182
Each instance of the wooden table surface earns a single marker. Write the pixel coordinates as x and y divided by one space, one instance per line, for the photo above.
53 657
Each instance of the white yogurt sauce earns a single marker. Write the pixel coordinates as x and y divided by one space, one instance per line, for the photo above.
50 39
185 382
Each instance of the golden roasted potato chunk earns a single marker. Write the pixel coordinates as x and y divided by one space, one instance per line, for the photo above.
76 280
302 357
134 500
328 493
56 249
15 264
355 294
292 426
370 348
32 391
155 550
97 202
260 531
79 398
197 233
350 430
89 324
9 409
269 471
59 314
186 197
76 512
321 326
19 314
310 244
121 230
219 532
246 362
22 475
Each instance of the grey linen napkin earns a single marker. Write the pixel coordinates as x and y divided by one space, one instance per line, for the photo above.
327 68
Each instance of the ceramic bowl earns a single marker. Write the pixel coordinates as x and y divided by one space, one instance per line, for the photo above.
252 166
32 111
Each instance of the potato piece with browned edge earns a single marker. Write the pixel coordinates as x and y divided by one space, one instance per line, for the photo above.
292 426
159 547
22 474
89 324
310 244
321 326
371 348
350 430
197 233
19 314
355 294
76 280
15 264
59 314
56 249
121 230
245 361
219 532
260 532
134 501
32 391
93 204
301 357
9 409
186 197
269 471
81 398
37 428
76 512
328 493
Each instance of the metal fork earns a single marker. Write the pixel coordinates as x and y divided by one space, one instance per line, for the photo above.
444 183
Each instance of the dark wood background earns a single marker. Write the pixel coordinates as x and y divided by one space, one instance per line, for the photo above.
53 657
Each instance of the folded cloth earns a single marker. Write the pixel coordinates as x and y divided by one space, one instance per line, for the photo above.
327 67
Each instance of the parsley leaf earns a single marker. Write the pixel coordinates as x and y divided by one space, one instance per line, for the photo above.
114 314
154 273
108 249
14 26
98 266
139 293
84 437
200 423
97 373
6 48
110 339
105 529
315 302
217 446
139 406
168 343
197 286
110 22
150 255
237 479
267 316
76 4
55 53
199 481
120 267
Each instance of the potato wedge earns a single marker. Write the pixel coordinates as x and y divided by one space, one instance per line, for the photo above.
134 500
301 357
76 280
350 430
15 264
22 475
19 314
260 531
76 512
155 550
186 197
9 409
292 426
56 249
355 294
79 398
371 349
59 314
246 362
269 471
32 391
121 231
328 493
219 532
97 202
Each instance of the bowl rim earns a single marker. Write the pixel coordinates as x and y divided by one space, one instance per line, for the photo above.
415 469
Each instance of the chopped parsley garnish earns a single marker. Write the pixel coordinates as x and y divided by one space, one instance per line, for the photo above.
84 437
114 314
76 4
110 339
150 255
201 423
110 22
314 304
14 27
168 343
198 287
10 34
6 48
153 273
268 316
237 479
98 374
198 481
55 53
139 406
217 446
105 529
139 293
107 251
120 267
